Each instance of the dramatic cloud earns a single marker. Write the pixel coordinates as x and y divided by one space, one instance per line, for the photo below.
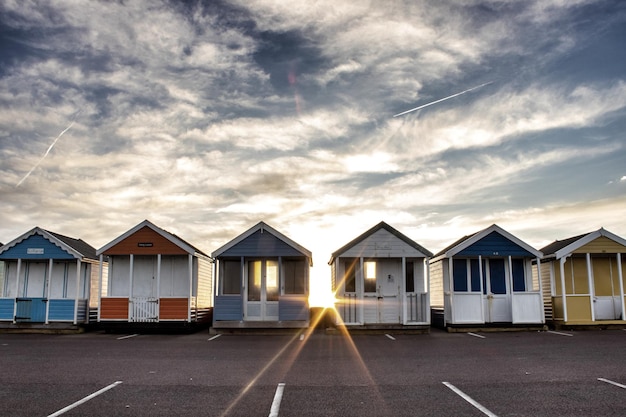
207 117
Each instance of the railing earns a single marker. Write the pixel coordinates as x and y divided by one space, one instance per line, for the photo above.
144 309
416 305
348 308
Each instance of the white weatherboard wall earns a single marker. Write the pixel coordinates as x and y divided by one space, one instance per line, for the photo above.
381 244
388 303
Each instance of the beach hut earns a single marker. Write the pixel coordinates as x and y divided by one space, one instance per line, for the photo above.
380 280
154 277
486 279
262 281
47 281
583 280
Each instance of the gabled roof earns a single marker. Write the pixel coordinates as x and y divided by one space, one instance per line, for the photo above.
76 247
263 227
469 240
187 247
368 233
561 248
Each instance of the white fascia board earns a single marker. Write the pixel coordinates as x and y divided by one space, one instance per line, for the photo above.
265 227
567 250
51 238
478 236
190 250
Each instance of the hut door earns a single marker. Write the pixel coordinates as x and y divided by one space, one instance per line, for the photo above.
32 306
390 281
144 300
497 299
606 300
263 290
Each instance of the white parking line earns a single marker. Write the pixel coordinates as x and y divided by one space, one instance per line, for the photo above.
390 336
215 337
469 399
560 333
608 381
128 337
278 397
477 335
84 400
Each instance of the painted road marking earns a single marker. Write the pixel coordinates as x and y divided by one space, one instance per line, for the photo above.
608 381
477 335
84 400
302 337
560 333
278 397
128 337
215 337
390 336
469 399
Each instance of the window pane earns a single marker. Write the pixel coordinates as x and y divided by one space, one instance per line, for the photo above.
519 283
231 281
370 276
459 270
475 275
271 280
410 277
496 276
254 281
294 272
350 276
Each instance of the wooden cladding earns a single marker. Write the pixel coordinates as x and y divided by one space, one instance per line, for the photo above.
114 308
173 308
145 241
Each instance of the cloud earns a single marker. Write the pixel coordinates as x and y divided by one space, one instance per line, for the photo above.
207 117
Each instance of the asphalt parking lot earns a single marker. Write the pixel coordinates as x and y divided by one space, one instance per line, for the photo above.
442 374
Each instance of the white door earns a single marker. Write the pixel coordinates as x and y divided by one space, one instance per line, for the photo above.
496 298
381 295
389 284
144 303
606 291
262 290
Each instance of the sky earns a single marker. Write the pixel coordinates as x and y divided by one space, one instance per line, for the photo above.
206 117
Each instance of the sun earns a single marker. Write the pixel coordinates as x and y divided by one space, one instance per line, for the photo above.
320 294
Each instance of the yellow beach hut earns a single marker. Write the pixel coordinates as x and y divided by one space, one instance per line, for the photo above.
583 280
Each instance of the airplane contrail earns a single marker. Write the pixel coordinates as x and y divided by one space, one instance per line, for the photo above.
441 99
45 154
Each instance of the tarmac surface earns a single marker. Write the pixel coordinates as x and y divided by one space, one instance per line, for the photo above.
440 374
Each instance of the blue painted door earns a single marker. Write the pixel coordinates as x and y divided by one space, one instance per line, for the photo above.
31 310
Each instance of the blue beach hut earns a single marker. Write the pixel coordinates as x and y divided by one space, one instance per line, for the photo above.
47 281
262 281
486 278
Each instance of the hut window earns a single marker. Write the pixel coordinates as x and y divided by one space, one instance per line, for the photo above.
294 271
271 280
519 280
350 276
254 281
231 283
460 275
370 276
475 274
497 279
410 277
